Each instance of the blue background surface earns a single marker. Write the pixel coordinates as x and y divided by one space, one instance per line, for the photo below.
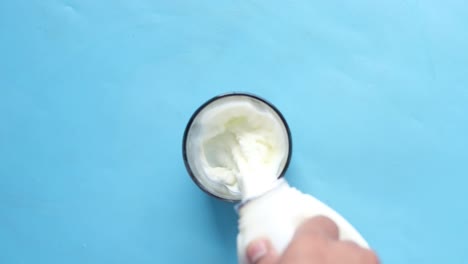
95 95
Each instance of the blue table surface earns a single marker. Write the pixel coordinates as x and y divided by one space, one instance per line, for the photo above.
95 95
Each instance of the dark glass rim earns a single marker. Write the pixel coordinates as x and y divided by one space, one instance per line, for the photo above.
199 109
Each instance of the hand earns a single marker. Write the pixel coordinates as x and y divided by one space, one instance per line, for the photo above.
315 241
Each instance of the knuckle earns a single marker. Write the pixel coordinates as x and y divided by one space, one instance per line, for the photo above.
350 244
370 257
312 241
328 225
327 222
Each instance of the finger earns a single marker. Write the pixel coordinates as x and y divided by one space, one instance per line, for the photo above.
350 244
261 252
368 256
353 253
318 226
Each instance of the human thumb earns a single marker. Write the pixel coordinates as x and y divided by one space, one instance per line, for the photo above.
261 251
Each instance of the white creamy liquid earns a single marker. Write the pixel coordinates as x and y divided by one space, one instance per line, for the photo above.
241 146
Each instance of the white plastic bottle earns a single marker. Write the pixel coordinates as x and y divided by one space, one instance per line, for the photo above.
276 215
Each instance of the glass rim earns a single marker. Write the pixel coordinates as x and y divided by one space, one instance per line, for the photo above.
201 108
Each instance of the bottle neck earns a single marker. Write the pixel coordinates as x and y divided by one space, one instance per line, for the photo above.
246 200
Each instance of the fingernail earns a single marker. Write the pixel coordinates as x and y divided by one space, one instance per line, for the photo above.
256 251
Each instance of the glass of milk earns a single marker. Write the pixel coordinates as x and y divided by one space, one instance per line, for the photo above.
236 146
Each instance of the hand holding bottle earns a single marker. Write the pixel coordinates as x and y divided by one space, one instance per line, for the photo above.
315 241
277 215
